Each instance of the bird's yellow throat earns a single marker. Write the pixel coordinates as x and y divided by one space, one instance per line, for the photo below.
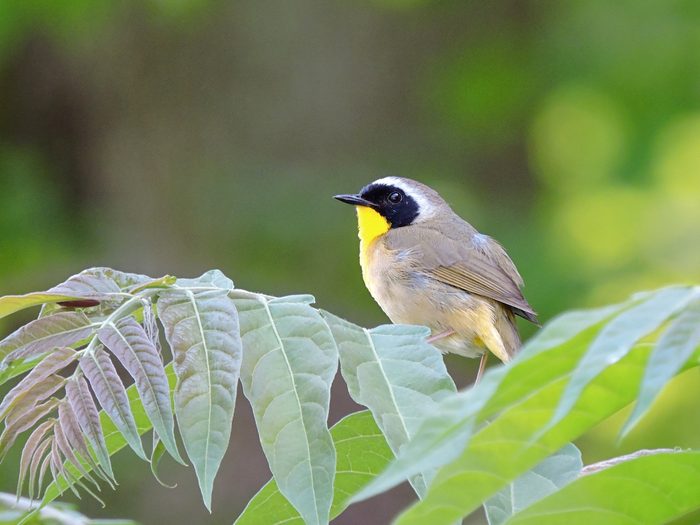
370 224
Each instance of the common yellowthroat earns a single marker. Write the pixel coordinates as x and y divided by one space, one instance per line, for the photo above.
424 264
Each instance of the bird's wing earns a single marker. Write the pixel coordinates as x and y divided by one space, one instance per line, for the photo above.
457 255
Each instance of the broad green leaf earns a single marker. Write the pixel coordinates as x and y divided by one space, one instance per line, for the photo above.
649 490
674 349
618 337
547 477
397 375
111 393
563 327
546 358
129 342
513 442
45 334
202 330
361 453
443 436
289 361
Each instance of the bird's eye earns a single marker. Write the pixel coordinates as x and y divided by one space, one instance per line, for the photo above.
395 197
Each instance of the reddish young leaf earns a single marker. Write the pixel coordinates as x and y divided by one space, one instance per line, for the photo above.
30 447
52 363
38 393
37 467
88 418
68 453
24 423
110 392
79 303
44 334
130 343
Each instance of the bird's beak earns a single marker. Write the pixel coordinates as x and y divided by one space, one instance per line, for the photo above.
355 200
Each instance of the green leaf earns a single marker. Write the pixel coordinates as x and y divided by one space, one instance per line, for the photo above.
202 330
162 282
540 368
17 368
563 327
129 342
156 455
289 361
443 436
396 374
210 279
10 304
618 337
513 443
12 509
649 490
549 476
546 358
674 349
361 452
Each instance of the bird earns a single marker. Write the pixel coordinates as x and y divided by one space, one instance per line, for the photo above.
423 264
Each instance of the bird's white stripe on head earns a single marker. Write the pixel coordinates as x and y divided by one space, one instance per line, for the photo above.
427 209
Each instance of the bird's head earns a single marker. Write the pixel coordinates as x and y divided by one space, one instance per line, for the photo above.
392 202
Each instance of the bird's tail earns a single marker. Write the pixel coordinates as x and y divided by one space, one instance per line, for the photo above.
508 330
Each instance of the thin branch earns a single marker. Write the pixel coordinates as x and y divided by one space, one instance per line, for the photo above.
602 465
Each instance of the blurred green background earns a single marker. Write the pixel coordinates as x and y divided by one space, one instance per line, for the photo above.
174 136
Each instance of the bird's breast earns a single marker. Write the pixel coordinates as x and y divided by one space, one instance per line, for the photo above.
392 281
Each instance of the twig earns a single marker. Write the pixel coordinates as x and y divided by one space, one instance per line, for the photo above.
602 465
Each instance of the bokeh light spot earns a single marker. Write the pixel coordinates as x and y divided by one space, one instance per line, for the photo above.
577 139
